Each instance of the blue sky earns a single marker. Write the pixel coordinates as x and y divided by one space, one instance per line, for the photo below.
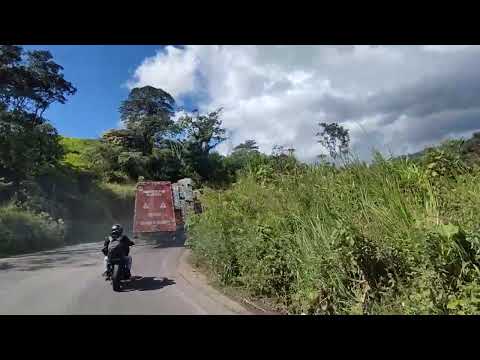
99 73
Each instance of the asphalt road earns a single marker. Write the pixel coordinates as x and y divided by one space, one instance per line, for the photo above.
69 281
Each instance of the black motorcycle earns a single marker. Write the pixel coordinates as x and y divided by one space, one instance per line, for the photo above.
117 271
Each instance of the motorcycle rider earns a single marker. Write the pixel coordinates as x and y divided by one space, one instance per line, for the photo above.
117 238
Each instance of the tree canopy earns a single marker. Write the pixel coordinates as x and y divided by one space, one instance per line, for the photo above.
155 146
147 114
335 139
248 145
30 81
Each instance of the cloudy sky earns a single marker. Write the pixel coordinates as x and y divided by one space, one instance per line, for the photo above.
396 99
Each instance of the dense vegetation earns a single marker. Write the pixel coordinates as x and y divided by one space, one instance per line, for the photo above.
396 236
76 152
47 193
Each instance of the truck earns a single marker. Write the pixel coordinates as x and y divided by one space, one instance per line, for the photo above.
154 208
161 205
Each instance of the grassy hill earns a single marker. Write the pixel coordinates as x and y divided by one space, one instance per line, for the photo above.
75 151
468 149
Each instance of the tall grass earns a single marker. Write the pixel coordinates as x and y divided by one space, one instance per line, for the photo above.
384 238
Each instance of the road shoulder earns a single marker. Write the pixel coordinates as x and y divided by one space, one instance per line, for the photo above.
200 282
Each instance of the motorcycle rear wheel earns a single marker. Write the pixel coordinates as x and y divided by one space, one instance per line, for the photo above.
116 278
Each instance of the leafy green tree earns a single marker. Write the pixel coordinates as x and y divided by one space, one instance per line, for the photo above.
198 136
282 159
104 161
335 139
240 157
31 81
249 145
25 150
202 133
147 116
154 146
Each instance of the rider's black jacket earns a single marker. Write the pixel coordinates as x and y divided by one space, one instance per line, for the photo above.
124 241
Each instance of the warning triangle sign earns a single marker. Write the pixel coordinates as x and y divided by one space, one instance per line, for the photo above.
145 206
162 205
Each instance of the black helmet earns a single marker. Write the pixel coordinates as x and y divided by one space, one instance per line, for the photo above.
117 230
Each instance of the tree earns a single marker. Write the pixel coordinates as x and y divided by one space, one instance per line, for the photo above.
26 150
248 145
165 164
156 147
202 133
125 138
240 157
31 81
147 114
283 159
216 171
145 102
197 137
147 117
104 161
335 139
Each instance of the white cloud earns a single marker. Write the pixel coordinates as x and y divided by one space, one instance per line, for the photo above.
446 48
278 94
172 69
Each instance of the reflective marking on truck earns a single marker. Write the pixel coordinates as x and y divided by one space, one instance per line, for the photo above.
155 214
155 222
154 192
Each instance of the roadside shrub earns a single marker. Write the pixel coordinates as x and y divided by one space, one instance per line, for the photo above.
23 231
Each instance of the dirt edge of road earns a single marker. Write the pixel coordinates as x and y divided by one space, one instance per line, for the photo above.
201 283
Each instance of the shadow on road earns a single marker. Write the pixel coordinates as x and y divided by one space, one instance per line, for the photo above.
78 249
88 264
47 261
6 266
42 261
70 252
50 265
148 283
166 240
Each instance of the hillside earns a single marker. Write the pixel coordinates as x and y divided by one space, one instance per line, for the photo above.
469 149
76 149
65 205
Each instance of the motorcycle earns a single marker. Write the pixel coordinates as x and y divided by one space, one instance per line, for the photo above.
117 271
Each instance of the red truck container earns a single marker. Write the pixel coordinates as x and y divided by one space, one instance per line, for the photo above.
154 209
